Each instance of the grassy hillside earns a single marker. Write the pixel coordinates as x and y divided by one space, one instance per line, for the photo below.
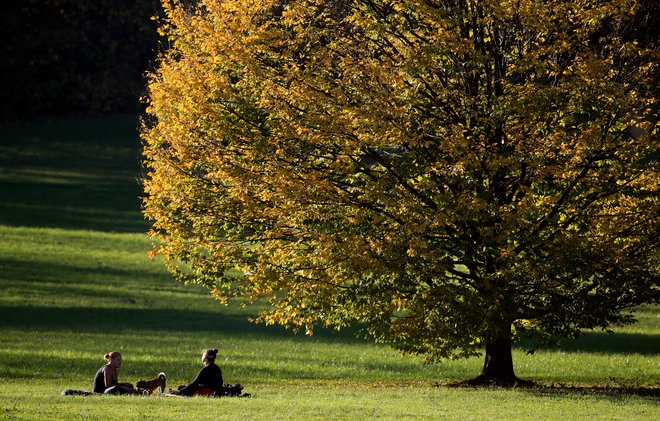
75 283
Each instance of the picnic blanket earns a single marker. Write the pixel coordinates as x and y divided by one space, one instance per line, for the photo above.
230 390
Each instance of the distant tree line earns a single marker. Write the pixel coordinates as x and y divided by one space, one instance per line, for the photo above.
81 57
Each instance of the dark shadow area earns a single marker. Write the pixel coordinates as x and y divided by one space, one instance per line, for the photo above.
81 206
61 143
624 343
609 343
80 174
24 272
122 320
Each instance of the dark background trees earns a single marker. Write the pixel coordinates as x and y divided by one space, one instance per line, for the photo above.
81 57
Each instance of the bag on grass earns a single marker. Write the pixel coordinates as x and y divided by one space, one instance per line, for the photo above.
233 389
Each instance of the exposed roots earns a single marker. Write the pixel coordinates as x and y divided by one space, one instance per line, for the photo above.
486 382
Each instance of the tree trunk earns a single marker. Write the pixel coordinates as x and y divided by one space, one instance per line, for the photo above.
498 365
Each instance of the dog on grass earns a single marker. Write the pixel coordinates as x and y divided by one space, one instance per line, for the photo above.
149 386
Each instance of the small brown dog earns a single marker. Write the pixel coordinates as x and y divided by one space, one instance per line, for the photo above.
149 386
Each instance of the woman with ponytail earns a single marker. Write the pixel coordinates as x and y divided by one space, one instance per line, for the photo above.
208 380
106 379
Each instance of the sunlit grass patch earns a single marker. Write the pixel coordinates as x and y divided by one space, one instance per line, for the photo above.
332 401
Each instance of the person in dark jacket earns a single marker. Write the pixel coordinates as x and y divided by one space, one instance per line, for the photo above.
106 379
209 378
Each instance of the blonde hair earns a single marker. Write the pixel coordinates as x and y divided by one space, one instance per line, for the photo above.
111 355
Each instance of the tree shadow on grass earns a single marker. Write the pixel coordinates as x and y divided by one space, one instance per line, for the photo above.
167 321
610 343
613 391
96 274
111 207
618 342
610 392
72 174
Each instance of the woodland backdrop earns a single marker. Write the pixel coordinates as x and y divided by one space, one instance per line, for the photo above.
74 57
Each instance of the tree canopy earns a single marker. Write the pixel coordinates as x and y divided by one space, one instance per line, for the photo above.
454 174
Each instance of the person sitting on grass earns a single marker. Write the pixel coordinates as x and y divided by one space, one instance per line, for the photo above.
208 381
106 379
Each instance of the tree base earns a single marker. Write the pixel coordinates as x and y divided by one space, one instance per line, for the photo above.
499 382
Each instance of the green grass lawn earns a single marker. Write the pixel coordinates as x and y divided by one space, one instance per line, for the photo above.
75 283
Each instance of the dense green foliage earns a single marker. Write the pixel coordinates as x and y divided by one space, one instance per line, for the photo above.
71 290
74 56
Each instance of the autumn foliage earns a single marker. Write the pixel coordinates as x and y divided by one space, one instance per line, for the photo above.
453 174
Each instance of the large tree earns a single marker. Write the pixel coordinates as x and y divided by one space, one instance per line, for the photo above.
454 174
